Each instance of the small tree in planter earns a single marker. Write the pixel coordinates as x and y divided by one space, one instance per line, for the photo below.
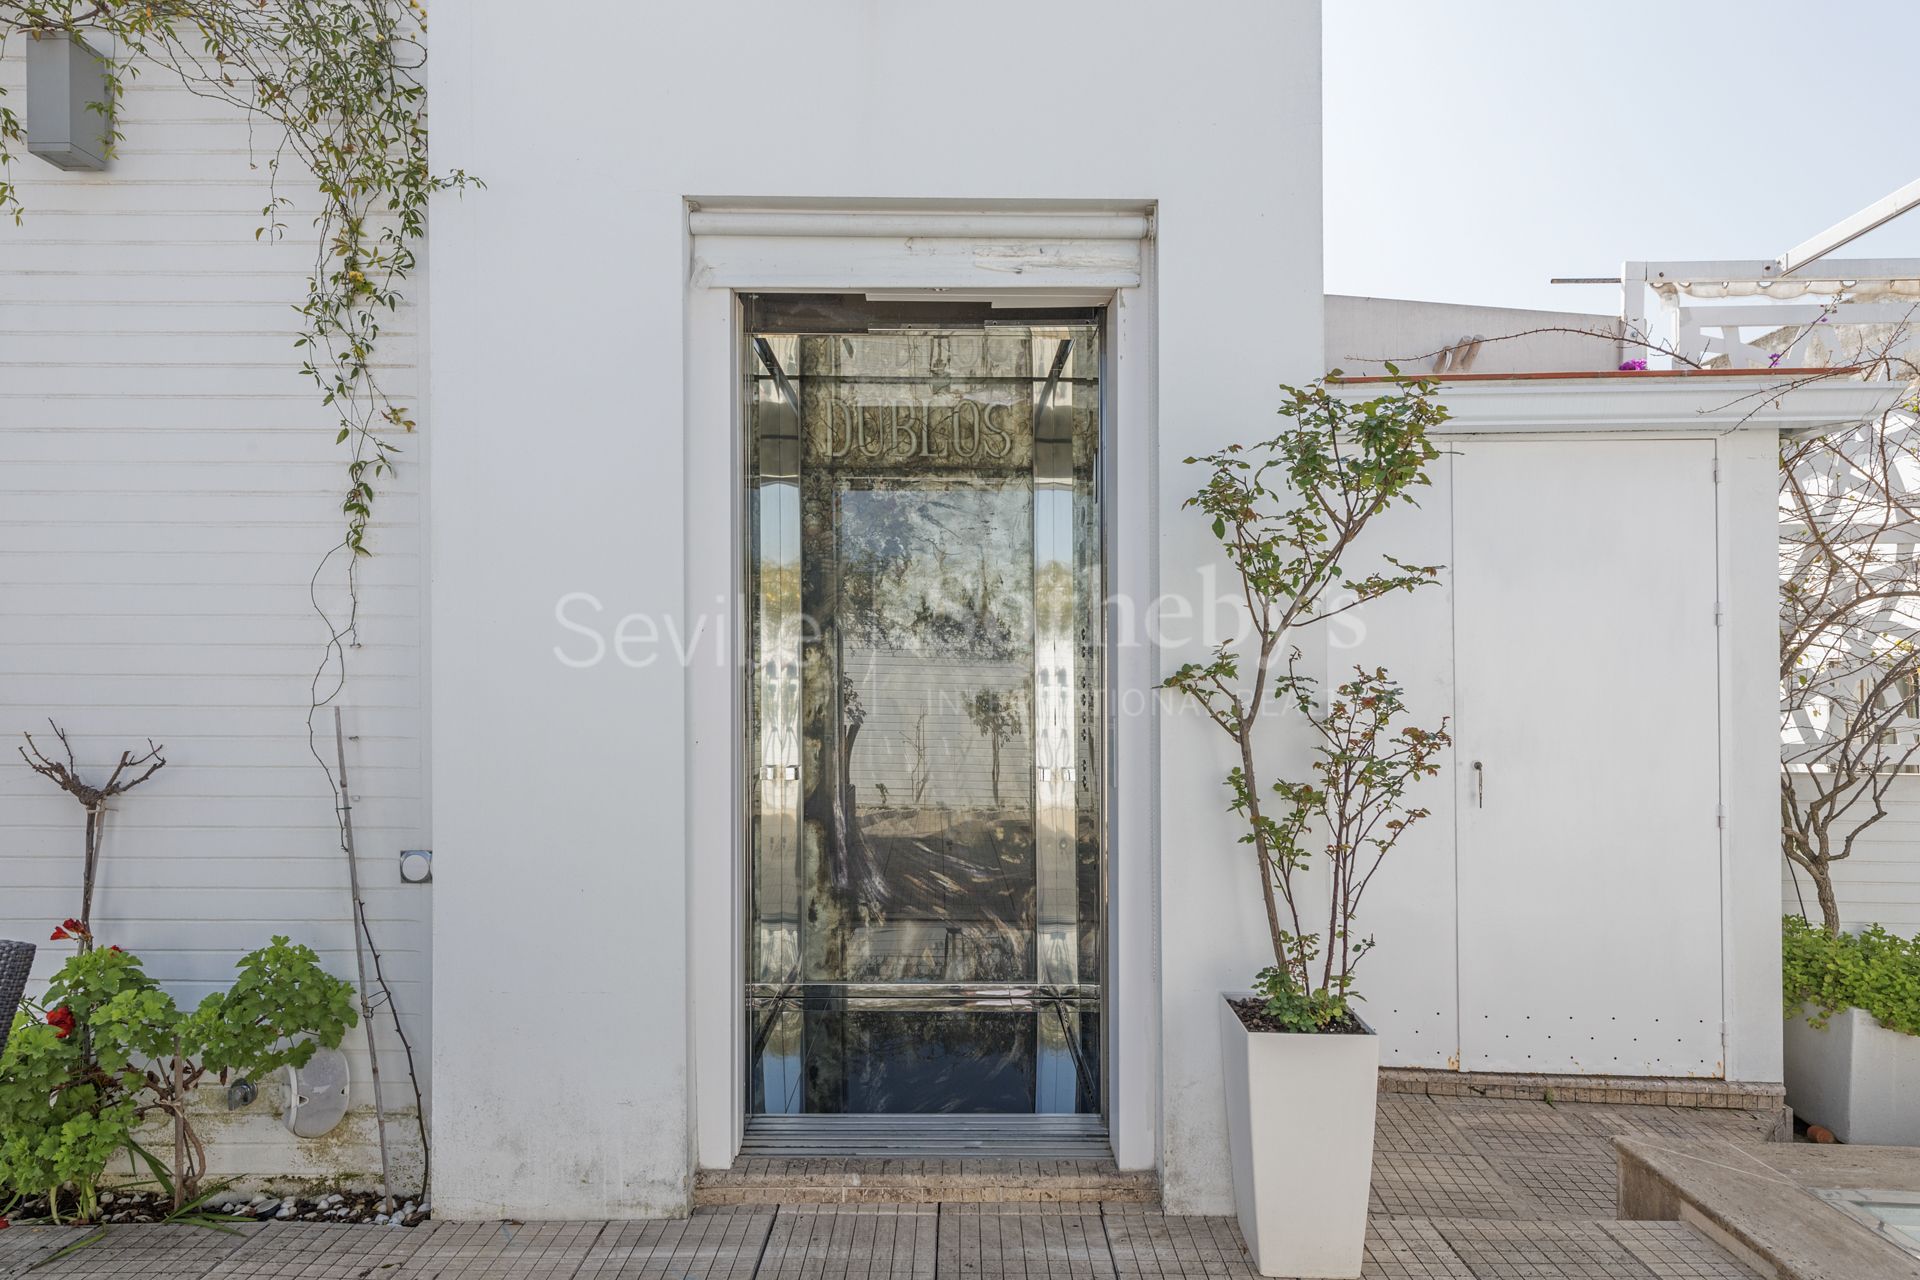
1850 712
1288 512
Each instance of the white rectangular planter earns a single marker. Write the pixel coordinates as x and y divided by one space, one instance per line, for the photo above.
1300 1122
1855 1077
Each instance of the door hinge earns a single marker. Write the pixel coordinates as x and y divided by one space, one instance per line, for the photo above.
1719 613
1720 816
1716 468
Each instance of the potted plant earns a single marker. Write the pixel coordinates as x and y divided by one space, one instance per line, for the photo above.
1853 1032
1301 1066
1849 664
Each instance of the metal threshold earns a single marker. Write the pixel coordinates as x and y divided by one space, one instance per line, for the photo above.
986 1137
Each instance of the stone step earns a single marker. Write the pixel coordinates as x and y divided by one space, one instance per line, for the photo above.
765 1181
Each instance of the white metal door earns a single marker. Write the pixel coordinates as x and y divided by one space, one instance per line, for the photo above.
1587 757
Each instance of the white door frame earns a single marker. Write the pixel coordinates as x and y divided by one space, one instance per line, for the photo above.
1038 254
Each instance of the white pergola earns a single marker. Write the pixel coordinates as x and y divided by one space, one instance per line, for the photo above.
1803 308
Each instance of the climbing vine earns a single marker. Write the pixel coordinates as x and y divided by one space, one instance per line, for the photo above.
339 87
340 83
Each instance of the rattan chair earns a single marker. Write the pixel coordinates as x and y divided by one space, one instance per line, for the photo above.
15 959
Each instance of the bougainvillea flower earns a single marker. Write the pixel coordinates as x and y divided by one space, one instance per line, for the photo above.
61 1020
1634 366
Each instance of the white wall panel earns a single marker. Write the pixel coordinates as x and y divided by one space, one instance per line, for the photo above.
1880 883
168 483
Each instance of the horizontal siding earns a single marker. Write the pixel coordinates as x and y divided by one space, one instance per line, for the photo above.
1880 883
168 484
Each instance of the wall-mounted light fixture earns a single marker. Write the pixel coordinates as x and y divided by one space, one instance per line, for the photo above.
416 866
67 121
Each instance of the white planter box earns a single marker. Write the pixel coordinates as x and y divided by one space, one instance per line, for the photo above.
1300 1122
1855 1077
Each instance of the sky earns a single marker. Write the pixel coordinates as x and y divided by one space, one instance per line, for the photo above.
1475 148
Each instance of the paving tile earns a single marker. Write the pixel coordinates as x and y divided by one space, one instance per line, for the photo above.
169 1251
501 1251
852 1242
1524 1129
320 1251
713 1244
1064 1241
1410 1249
1445 1186
1413 1122
1564 1188
1151 1244
1675 1251
22 1246
1509 1250
1044 1208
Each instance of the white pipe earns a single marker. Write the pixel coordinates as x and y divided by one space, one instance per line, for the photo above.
949 226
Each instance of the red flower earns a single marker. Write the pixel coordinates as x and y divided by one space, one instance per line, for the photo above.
116 947
59 935
70 928
61 1020
4 1224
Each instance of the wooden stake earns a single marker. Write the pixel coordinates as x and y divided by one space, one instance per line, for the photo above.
360 958
179 1129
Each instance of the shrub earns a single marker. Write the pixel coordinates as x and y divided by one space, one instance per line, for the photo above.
1875 971
105 1048
1286 512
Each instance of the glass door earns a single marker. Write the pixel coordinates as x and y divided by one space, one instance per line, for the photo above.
924 728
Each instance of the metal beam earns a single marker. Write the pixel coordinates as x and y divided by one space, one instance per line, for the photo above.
1732 270
1851 228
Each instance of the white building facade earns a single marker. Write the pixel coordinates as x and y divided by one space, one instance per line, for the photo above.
698 868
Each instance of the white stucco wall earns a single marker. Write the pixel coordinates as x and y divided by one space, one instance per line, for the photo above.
1364 333
168 485
563 1070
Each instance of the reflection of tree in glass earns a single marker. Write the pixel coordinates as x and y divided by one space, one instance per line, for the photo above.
996 714
902 590
918 772
853 714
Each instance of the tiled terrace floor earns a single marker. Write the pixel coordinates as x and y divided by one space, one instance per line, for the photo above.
1465 1189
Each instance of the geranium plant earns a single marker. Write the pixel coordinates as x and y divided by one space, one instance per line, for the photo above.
1288 512
104 1049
